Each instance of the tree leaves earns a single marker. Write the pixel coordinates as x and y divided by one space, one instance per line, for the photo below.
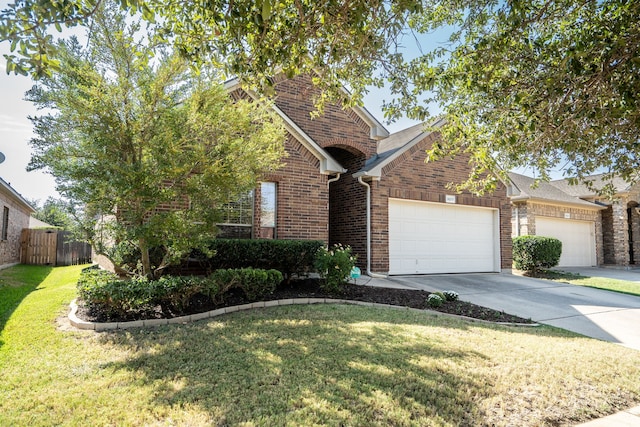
148 143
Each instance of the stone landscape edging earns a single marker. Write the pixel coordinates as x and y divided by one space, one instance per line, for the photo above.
106 326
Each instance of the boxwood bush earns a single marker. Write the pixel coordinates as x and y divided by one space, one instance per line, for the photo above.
290 257
532 253
110 296
255 283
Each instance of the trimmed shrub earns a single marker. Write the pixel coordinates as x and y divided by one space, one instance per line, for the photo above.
531 253
174 293
255 283
334 266
290 257
450 295
435 300
106 293
111 296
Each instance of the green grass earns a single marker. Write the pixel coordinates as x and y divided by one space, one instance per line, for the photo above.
616 285
301 365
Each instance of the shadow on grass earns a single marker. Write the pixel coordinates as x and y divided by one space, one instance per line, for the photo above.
16 283
331 366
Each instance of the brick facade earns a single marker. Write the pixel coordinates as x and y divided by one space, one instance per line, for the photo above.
334 128
302 201
308 209
347 206
621 231
18 219
409 177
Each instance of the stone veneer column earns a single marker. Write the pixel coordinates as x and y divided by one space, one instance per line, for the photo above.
635 231
519 220
620 232
599 240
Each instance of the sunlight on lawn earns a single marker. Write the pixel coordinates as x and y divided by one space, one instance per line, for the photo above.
301 365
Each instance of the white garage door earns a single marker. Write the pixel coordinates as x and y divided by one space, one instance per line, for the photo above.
428 238
577 237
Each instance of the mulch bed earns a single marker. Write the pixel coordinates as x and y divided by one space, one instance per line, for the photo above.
310 288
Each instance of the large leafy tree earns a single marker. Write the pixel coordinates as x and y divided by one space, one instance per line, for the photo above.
148 147
55 212
542 83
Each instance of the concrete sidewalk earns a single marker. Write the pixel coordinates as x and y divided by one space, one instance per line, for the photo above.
628 418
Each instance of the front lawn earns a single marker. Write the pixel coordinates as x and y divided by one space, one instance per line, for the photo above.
300 365
622 286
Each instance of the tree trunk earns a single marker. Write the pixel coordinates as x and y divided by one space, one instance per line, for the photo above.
146 262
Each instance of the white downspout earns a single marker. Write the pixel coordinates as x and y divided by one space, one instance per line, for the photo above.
330 180
369 272
517 221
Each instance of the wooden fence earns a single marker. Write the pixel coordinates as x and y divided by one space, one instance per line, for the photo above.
52 247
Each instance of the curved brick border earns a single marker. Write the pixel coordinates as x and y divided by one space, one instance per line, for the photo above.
95 326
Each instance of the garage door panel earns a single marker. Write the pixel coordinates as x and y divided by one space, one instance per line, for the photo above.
428 238
577 237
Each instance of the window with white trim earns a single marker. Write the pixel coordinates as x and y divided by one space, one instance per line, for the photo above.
268 203
237 218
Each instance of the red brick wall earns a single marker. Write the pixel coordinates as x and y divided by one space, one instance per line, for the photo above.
409 177
302 202
347 206
334 127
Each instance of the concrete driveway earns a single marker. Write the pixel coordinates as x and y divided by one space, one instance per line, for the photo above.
604 315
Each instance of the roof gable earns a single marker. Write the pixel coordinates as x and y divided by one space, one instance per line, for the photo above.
328 165
395 145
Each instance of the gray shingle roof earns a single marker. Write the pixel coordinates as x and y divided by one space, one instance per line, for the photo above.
395 144
544 191
581 190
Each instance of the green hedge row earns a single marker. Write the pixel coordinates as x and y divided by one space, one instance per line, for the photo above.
290 257
531 253
110 296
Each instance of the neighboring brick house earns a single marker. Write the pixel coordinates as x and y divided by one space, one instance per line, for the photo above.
593 230
15 216
346 180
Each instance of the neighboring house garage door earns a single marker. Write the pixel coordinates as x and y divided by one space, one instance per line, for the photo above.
428 238
577 237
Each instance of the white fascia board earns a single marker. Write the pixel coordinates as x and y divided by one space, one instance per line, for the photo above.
9 191
378 131
328 165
